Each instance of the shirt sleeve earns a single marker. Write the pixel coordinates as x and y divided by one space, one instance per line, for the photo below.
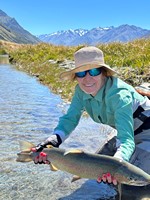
69 121
123 116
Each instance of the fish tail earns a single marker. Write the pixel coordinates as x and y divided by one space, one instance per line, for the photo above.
26 146
25 154
23 157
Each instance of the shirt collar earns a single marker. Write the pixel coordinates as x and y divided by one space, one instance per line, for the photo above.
100 94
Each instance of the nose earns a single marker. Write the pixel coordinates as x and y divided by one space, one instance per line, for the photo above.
87 76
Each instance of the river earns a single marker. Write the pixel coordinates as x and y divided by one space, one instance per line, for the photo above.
30 111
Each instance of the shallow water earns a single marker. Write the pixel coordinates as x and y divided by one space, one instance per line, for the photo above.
4 59
29 111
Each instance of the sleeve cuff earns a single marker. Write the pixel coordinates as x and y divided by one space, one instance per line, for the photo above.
118 155
61 134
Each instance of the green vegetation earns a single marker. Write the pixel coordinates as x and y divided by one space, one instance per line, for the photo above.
2 51
131 60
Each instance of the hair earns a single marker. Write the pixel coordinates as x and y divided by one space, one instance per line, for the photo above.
104 71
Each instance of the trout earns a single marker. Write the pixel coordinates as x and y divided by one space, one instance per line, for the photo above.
87 165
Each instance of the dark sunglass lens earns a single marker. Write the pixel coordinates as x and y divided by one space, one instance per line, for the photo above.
95 71
80 74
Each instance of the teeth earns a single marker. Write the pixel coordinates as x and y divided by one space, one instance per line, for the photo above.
88 85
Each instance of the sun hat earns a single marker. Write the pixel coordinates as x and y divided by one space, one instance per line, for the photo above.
87 58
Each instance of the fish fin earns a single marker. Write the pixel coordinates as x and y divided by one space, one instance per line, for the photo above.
23 157
25 146
73 151
75 178
53 168
119 190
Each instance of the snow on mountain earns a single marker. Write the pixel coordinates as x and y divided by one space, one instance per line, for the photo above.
123 33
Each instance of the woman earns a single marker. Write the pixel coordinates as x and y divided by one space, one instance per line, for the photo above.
107 100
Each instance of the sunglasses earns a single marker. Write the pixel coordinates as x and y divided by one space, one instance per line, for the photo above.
92 72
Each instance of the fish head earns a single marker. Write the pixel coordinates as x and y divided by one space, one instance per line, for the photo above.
131 175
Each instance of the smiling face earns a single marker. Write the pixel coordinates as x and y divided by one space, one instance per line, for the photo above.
91 84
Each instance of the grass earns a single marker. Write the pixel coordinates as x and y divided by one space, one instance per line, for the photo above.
131 60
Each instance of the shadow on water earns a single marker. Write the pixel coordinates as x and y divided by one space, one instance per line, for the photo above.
135 192
91 190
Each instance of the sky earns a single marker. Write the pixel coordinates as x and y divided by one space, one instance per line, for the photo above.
48 16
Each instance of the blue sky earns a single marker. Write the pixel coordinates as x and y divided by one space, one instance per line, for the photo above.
48 16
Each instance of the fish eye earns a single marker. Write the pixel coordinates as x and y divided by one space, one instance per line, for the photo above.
131 179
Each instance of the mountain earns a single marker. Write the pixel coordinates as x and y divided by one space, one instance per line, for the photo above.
11 31
123 33
63 37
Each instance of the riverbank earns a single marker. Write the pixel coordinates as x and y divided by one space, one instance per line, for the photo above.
130 60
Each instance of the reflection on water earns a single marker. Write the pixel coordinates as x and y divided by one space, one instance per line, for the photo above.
24 106
29 111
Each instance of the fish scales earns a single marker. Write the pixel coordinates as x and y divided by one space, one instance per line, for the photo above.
82 164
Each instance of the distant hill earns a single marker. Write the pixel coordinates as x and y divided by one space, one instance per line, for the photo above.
123 33
11 31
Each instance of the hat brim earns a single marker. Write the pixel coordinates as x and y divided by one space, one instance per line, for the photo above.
70 75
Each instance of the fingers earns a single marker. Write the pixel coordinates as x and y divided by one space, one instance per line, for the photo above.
41 158
99 179
114 181
107 178
33 149
36 159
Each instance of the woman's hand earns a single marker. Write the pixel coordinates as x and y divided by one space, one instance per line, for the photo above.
41 158
107 178
53 140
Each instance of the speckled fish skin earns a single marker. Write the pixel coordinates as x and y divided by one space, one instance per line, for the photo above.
91 166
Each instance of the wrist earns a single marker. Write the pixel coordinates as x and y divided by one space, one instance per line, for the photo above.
61 134
54 140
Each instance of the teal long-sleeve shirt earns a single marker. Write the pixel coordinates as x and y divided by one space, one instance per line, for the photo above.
113 105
